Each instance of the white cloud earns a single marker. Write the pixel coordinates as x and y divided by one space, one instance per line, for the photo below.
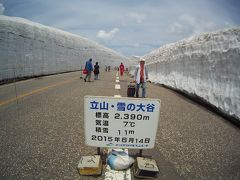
107 35
176 28
188 19
136 45
2 8
137 17
187 24
184 24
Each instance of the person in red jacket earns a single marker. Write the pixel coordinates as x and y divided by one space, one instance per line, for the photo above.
121 69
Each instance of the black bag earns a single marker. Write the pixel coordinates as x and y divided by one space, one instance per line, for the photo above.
131 90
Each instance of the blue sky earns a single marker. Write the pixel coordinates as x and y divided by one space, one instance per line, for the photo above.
131 27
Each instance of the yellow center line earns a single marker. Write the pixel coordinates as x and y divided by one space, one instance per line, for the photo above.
19 82
4 102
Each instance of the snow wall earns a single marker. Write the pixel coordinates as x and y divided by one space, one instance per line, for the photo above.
31 49
206 66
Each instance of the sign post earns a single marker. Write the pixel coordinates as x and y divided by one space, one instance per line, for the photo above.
121 122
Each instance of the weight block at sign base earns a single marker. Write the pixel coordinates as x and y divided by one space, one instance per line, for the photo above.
145 168
90 165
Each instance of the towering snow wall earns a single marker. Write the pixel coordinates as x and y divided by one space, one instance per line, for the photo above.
207 65
31 49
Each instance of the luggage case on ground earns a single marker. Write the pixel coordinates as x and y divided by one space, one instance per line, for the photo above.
145 168
131 90
90 165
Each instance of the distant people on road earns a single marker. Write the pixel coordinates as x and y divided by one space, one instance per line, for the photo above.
96 71
89 68
109 68
106 68
140 77
121 69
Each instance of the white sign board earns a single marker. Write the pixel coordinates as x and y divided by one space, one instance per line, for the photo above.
121 122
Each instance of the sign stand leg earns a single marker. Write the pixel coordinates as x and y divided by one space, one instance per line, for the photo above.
98 151
140 152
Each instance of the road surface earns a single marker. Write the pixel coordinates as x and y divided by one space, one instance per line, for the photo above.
42 131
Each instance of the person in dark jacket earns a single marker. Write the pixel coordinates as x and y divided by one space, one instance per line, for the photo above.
89 68
96 71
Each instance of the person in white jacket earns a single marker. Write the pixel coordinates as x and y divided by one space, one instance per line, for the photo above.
140 77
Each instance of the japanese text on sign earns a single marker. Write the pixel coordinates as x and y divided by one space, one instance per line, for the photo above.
125 122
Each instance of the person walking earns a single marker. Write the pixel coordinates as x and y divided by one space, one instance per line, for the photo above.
89 68
96 71
140 77
121 69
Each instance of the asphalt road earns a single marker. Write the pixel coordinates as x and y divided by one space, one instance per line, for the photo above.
42 131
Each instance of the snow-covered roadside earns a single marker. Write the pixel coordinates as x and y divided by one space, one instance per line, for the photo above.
32 49
207 66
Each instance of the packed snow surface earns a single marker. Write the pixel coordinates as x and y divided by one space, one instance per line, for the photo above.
30 49
207 66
